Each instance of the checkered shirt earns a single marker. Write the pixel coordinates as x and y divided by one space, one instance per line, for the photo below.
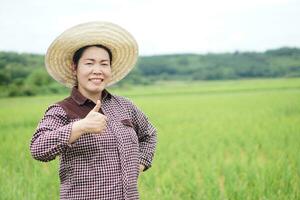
96 166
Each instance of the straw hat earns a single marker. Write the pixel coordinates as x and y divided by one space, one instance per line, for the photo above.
123 47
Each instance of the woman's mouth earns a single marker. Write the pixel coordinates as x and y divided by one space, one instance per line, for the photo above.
96 80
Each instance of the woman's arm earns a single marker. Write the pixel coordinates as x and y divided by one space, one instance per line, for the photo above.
55 133
52 134
147 135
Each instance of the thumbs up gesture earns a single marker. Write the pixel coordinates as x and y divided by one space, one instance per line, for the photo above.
94 122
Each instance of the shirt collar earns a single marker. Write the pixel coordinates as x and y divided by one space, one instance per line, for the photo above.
80 99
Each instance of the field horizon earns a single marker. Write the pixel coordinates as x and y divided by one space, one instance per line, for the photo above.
216 140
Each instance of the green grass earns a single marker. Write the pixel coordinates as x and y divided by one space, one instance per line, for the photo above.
216 140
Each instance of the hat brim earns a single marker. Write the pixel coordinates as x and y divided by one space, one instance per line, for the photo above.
123 46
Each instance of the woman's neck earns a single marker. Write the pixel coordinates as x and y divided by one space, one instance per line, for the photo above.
92 96
96 97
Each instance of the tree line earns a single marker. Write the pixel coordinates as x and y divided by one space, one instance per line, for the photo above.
25 75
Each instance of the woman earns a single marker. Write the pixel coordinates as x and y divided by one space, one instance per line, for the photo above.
103 140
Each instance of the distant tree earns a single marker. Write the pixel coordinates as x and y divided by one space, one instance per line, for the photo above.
25 74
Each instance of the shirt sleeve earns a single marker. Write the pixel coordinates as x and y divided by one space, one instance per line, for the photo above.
52 134
147 135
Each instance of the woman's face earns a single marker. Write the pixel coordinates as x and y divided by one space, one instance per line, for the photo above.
93 71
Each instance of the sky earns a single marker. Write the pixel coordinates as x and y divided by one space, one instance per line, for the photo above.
159 26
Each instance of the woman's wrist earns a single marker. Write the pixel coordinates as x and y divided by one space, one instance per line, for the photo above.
142 167
76 132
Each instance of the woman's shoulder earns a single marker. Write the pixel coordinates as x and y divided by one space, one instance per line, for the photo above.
122 100
55 109
128 104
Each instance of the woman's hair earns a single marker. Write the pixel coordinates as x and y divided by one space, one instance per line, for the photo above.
77 55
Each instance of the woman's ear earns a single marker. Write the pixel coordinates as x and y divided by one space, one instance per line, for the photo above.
74 72
74 69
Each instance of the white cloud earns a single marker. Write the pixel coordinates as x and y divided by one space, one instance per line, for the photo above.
160 26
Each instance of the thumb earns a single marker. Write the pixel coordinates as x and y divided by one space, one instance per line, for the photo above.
97 106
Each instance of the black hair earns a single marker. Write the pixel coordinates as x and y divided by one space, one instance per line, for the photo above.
77 55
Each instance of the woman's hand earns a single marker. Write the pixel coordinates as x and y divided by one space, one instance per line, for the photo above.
142 167
94 122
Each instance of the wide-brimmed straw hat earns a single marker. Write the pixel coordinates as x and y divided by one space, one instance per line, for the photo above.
123 47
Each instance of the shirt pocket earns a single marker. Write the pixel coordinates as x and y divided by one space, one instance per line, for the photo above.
128 126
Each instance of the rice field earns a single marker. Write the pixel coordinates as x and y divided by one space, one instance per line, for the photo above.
216 140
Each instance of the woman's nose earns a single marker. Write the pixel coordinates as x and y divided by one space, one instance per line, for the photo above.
97 69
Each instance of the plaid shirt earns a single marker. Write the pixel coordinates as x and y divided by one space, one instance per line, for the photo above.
96 166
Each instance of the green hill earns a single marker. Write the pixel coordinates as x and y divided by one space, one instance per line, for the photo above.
24 74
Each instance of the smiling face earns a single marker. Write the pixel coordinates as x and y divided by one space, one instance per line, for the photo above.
93 71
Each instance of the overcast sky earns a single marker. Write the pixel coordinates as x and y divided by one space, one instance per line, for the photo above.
160 26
